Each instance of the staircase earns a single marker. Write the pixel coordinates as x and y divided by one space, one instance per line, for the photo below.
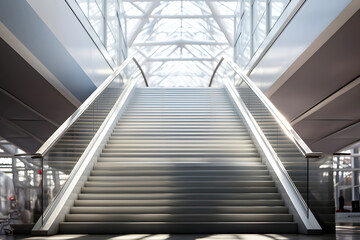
179 161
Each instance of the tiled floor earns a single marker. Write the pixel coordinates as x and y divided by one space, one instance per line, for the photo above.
345 231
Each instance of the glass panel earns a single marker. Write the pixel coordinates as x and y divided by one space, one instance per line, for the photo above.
276 9
259 33
111 44
347 193
259 8
20 191
291 158
245 54
321 192
64 155
122 19
111 15
243 44
345 178
100 3
264 15
92 11
314 186
104 17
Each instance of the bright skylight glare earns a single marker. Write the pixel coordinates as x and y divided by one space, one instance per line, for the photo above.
179 43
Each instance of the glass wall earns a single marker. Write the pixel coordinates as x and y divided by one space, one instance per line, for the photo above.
178 43
20 190
105 17
254 19
347 177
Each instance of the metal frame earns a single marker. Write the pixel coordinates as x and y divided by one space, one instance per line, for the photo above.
271 32
99 35
178 42
81 16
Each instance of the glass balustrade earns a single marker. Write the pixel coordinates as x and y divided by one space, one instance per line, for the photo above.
58 163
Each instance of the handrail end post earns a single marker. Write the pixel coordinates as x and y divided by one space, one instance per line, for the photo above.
215 70
141 70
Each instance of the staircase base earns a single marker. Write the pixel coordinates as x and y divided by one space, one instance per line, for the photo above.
176 227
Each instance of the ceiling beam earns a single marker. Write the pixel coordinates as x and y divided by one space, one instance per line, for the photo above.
220 22
139 1
137 7
178 16
339 131
327 100
143 21
180 43
21 129
179 59
28 107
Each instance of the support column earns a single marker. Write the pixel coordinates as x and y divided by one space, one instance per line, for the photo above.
355 175
337 179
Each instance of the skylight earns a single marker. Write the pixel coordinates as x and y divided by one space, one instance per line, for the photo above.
179 42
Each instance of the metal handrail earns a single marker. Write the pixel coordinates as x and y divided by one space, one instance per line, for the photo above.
56 136
285 125
142 72
214 73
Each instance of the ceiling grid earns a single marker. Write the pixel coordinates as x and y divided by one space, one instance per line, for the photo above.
179 42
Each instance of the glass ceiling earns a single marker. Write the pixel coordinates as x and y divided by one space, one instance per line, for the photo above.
179 42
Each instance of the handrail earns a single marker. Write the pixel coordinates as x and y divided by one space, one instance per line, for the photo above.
285 125
55 137
279 170
216 68
142 72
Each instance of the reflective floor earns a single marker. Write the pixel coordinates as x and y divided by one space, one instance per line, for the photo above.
344 231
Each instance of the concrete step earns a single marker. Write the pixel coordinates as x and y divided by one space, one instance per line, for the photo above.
179 190
181 202
177 196
181 184
180 210
179 217
175 172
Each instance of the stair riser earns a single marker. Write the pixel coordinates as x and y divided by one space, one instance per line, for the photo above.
184 196
214 203
179 178
178 218
179 210
176 173
178 228
178 190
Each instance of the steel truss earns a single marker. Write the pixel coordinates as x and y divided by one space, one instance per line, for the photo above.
178 42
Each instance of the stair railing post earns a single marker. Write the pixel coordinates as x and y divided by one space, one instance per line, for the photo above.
307 186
